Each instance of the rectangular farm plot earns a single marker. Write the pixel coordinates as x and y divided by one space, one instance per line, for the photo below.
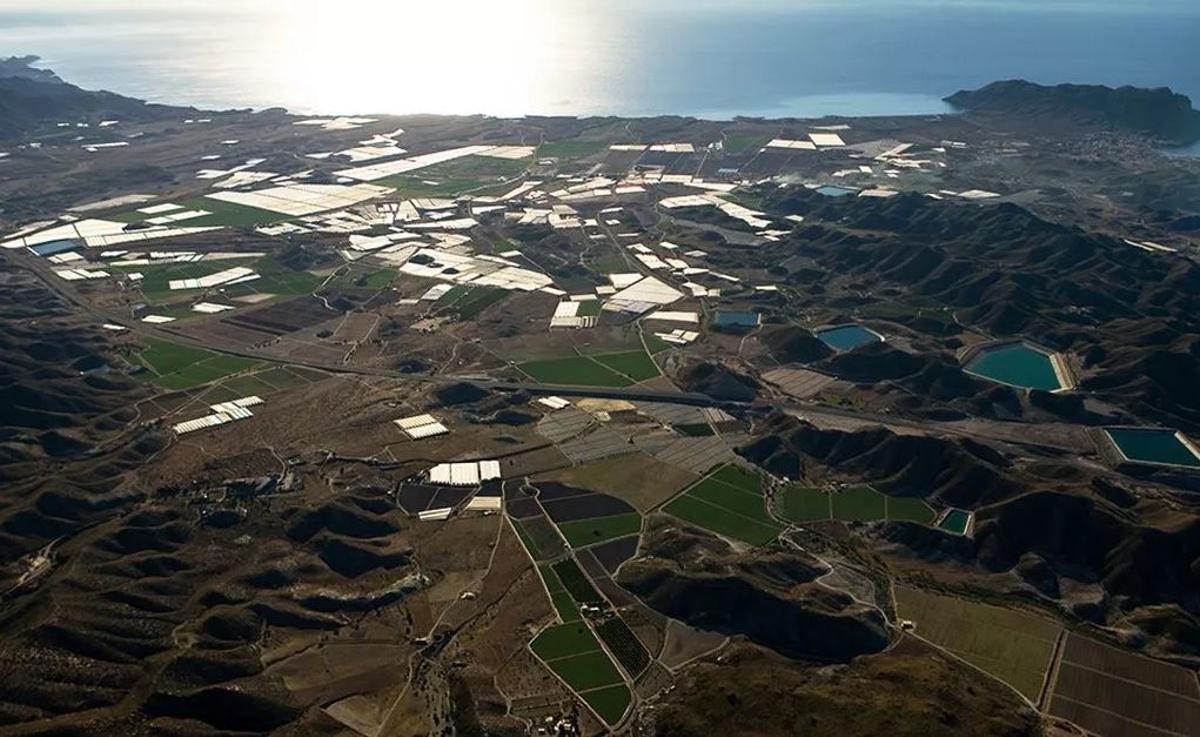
580 533
624 645
1012 646
564 641
609 702
178 367
576 583
574 654
576 370
540 537
587 671
567 610
728 502
803 504
739 477
908 509
634 364
721 520
1117 694
732 498
859 504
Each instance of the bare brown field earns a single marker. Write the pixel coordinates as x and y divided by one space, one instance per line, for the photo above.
683 643
637 478
1113 693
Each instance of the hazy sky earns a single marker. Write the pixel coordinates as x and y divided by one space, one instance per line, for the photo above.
1089 6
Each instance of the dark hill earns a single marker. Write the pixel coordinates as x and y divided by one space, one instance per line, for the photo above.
958 472
768 595
1159 112
31 98
1132 316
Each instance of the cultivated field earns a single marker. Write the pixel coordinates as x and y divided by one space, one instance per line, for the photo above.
182 367
856 504
574 654
1117 694
637 478
1013 646
728 502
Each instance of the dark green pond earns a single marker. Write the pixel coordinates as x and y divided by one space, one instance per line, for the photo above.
1017 364
1151 445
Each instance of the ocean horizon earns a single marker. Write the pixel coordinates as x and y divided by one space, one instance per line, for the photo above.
709 59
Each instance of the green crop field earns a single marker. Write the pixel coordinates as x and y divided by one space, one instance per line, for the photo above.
380 279
162 357
739 477
574 654
609 702
177 367
471 301
228 213
1013 646
598 529
634 364
574 370
739 143
567 610
564 640
576 583
802 504
908 509
586 671
721 520
728 502
540 537
590 308
732 498
859 504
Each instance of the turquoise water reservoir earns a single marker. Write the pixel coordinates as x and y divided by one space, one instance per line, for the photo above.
1017 364
847 337
955 521
831 191
1152 445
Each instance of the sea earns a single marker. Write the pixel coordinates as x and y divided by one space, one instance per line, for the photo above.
707 58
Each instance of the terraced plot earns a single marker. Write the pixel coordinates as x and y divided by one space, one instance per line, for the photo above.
728 502
575 656
1013 646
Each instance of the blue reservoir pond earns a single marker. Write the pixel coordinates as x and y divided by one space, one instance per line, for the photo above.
1017 364
831 191
1152 445
847 337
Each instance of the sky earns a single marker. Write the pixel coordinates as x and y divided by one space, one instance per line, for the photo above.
1086 6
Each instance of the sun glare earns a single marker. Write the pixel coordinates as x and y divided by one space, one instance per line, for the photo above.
450 57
